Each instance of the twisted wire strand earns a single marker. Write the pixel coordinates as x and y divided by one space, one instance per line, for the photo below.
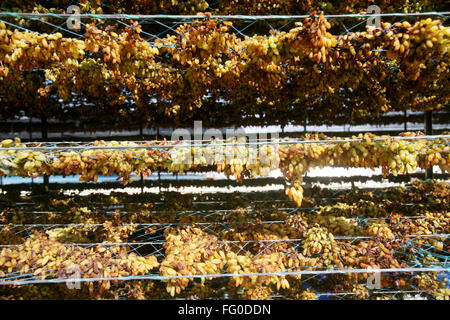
179 19
218 17
187 144
221 275
75 225
415 236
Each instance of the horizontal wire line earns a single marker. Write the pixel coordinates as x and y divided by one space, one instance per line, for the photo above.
219 17
232 144
150 277
75 225
415 236
374 292
140 224
221 275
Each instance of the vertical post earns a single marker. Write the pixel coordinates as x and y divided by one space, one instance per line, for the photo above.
30 129
406 120
429 131
142 138
44 138
159 181
44 128
305 121
159 172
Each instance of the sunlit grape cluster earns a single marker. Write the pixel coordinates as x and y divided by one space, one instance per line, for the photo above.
288 72
244 247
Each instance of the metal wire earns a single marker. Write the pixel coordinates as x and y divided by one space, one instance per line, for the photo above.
218 17
31 279
245 242
186 144
15 278
179 19
221 275
75 225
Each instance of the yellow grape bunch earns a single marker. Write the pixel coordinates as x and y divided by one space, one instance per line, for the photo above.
396 156
226 7
40 255
108 6
306 66
241 249
402 155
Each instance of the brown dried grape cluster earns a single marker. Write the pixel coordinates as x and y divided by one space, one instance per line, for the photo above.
432 223
308 295
202 254
86 225
191 251
40 256
319 242
113 232
340 226
307 68
82 213
379 229
393 155
259 287
107 6
79 213
443 294
362 208
234 160
228 7
298 7
377 251
431 282
133 289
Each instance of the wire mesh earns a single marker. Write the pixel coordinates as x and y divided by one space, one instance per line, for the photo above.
160 24
163 24
414 250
